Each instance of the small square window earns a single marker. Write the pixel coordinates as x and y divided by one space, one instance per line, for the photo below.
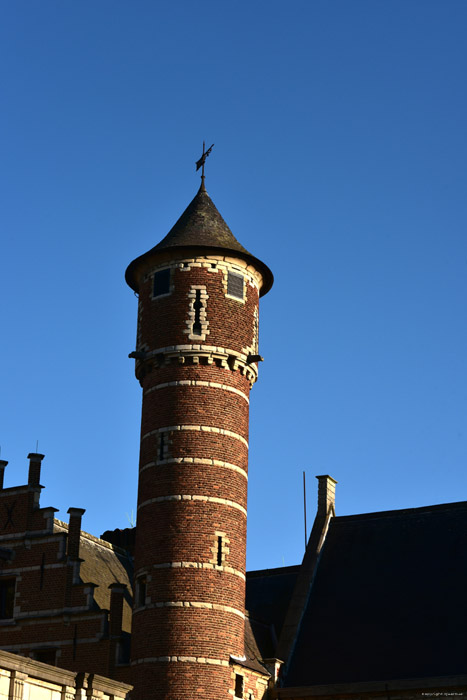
7 598
234 285
162 282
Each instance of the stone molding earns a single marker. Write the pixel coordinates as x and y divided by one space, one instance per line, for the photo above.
197 382
28 673
195 460
196 354
195 565
197 499
194 605
181 659
200 428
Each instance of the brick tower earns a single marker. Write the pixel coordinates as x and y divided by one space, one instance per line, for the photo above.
196 360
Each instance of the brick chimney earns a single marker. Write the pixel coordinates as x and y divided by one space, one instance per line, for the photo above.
74 532
117 591
3 464
326 495
34 476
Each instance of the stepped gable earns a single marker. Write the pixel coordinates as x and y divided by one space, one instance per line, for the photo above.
388 599
201 227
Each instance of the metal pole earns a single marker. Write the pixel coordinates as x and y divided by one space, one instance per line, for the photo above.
304 505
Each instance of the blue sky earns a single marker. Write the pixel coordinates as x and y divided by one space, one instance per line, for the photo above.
340 160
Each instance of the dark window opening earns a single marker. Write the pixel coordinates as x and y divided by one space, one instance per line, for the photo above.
161 282
219 551
235 285
7 598
46 656
238 685
197 306
41 581
161 445
141 591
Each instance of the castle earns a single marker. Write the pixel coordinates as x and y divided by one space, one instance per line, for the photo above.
377 608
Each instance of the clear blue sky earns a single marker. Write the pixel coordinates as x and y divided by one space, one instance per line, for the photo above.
340 160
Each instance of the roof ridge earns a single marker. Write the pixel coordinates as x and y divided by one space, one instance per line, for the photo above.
401 511
93 538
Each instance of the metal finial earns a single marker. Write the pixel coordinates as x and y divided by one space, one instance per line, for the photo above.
200 163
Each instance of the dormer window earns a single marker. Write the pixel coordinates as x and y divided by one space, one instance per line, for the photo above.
235 285
161 282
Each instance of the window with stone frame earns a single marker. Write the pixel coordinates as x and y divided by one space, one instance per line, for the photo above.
7 598
161 283
235 285
239 684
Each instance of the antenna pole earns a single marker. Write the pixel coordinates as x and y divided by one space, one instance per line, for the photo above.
304 505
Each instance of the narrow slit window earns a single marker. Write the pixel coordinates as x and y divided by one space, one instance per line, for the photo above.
161 282
141 591
235 285
41 580
161 445
238 685
197 306
219 550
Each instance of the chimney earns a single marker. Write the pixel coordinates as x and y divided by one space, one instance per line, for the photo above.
74 532
326 495
34 477
117 591
3 464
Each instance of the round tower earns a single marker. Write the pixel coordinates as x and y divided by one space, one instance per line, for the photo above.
196 360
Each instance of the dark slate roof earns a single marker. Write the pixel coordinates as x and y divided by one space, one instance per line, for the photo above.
102 564
388 600
200 226
125 539
257 645
268 594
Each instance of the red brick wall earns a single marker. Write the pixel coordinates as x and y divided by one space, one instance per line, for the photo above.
46 614
196 487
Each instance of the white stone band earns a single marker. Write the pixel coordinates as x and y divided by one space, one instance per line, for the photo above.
199 428
195 565
197 605
196 460
180 659
198 499
196 382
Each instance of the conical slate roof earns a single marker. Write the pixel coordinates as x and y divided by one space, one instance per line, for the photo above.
200 226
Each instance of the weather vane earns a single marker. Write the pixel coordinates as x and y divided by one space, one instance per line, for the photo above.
200 163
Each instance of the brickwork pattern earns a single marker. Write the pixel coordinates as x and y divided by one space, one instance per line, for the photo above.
192 497
53 608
